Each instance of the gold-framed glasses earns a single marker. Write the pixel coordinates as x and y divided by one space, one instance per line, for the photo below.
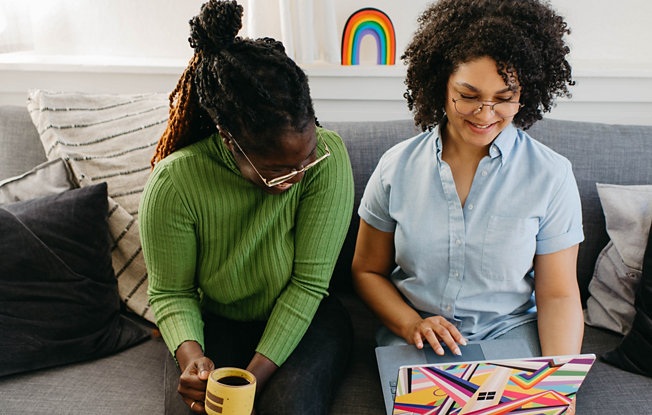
282 179
468 106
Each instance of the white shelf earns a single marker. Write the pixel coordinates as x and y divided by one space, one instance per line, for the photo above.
98 63
610 92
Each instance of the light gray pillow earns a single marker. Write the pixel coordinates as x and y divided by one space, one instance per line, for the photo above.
46 179
108 138
628 215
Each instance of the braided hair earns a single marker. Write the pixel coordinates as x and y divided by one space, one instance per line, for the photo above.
249 87
524 37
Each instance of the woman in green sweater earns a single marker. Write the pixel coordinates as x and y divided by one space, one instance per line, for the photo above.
242 221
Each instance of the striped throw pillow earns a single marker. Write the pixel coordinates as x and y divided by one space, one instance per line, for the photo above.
108 138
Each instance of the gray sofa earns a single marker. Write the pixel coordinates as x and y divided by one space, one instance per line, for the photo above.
131 382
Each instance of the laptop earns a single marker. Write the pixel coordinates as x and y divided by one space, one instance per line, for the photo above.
524 386
391 358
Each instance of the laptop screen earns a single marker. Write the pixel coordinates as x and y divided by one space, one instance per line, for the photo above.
530 386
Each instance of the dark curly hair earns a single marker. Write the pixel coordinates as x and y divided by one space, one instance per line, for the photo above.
524 37
249 87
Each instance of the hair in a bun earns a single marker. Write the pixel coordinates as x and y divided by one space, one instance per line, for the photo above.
216 26
248 87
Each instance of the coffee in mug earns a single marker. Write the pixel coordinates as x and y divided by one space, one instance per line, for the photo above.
230 391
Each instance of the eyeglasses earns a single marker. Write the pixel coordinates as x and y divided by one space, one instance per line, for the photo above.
281 179
505 109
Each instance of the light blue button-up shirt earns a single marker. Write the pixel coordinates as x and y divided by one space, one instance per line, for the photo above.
473 264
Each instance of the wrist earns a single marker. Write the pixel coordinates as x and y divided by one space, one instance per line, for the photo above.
262 368
406 329
187 352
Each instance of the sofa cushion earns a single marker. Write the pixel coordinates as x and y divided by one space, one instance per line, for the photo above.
47 178
607 389
108 138
365 142
634 353
602 153
126 383
19 142
628 214
58 293
55 176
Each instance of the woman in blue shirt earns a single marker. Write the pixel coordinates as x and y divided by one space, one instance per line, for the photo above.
469 224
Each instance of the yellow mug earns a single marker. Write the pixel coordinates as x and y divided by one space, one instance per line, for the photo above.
230 391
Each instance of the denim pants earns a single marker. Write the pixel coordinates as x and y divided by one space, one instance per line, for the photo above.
304 384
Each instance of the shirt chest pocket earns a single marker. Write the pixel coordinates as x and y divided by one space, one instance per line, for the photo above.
509 247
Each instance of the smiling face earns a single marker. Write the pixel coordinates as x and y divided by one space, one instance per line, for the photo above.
293 151
478 79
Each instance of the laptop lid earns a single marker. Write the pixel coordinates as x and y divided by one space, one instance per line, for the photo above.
391 358
527 386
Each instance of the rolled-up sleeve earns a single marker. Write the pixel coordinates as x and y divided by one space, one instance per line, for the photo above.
374 206
561 227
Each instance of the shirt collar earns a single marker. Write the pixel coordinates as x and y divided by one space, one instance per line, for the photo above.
438 140
504 143
437 148
501 146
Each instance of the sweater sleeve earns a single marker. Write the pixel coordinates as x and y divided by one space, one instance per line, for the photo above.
322 220
169 246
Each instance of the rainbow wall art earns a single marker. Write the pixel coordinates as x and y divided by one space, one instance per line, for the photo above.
364 22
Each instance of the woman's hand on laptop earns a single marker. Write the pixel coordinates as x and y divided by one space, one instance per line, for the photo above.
435 330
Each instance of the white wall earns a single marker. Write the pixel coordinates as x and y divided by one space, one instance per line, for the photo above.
141 45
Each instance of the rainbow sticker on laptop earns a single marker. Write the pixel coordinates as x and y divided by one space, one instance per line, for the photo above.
529 386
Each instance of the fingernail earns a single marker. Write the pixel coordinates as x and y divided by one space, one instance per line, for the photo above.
457 352
463 342
440 351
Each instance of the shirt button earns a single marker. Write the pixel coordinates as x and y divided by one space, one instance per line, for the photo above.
456 274
471 206
484 172
449 308
458 242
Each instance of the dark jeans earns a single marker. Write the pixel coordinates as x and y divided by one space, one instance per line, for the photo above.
304 384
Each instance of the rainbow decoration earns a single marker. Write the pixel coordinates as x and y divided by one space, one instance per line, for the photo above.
368 21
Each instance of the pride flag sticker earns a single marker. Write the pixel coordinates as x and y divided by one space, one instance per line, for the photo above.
373 22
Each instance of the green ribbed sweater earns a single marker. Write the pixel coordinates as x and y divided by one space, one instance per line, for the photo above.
212 240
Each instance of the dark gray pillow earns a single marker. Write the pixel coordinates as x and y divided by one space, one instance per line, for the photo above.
634 353
59 299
